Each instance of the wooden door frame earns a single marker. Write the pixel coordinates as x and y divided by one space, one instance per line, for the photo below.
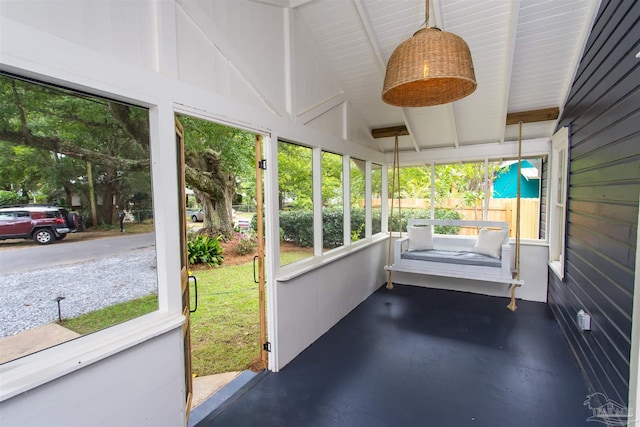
260 167
184 269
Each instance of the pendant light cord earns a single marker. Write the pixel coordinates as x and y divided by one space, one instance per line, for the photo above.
426 13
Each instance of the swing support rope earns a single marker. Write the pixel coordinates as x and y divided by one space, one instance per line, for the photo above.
516 274
395 182
395 187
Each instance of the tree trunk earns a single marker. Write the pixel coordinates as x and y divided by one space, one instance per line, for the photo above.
68 190
214 187
107 211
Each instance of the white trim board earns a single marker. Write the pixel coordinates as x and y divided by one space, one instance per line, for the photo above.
634 359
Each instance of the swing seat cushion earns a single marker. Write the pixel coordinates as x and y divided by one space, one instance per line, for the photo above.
457 255
452 257
489 242
420 238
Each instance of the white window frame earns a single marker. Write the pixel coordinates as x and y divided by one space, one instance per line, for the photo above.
557 200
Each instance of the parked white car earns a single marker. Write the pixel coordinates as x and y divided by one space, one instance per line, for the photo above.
196 215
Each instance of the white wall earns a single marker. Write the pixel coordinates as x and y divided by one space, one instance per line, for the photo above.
533 256
310 304
213 60
142 386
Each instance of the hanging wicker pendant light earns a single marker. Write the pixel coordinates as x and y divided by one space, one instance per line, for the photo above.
432 67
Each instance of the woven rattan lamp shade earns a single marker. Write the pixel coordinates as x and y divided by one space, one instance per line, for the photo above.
433 67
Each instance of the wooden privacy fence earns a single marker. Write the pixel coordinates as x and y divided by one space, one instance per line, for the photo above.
499 210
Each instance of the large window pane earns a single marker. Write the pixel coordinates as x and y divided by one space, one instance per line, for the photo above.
358 205
295 185
504 191
332 200
83 174
413 199
473 191
376 198
460 191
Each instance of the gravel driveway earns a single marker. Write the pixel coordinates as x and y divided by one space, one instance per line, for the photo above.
28 297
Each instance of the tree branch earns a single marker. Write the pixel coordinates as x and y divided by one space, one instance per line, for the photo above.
23 116
122 114
72 150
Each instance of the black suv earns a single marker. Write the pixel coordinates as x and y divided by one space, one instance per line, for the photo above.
43 224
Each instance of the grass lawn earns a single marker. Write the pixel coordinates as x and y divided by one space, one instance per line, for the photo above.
225 328
112 315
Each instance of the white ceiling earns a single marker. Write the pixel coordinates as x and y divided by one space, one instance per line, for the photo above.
524 52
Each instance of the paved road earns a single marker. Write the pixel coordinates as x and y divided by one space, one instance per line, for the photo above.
69 252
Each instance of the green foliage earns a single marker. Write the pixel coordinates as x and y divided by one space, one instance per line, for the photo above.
331 179
11 198
236 146
295 178
357 177
113 138
332 227
425 214
355 234
358 223
205 250
415 183
297 227
464 181
112 315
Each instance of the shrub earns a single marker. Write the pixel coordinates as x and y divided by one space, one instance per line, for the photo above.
440 213
246 244
332 228
205 250
358 224
11 198
296 226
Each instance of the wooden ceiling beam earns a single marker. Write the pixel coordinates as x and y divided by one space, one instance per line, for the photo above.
389 132
533 116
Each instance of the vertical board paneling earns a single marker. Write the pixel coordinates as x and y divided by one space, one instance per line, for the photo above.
603 110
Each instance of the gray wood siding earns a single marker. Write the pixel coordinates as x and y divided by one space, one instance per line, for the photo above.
603 112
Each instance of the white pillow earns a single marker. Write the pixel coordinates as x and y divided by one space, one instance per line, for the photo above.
489 242
420 238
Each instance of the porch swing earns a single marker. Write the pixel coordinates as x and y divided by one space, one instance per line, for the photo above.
487 257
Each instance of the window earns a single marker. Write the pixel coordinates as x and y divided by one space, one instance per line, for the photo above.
502 195
358 205
103 169
558 200
295 187
376 198
415 195
332 201
475 191
461 190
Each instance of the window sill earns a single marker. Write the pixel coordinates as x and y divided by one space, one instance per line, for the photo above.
23 374
556 268
292 271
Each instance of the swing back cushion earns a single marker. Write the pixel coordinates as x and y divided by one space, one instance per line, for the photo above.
420 238
489 242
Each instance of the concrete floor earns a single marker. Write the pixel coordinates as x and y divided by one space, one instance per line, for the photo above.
422 357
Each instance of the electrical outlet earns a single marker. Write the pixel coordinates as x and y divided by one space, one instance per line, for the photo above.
584 320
